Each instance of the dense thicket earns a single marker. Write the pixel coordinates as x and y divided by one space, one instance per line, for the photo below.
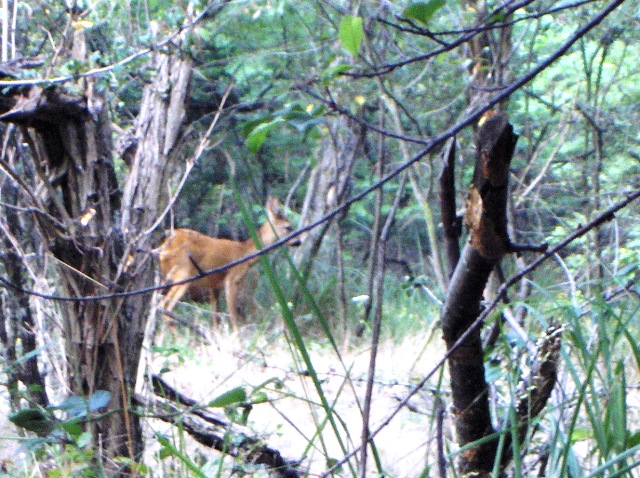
348 112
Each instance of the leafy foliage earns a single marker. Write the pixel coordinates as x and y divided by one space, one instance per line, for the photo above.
423 11
350 34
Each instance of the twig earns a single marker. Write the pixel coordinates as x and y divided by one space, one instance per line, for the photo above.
217 432
375 334
442 461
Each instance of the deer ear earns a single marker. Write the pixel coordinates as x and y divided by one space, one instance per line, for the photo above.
271 208
272 205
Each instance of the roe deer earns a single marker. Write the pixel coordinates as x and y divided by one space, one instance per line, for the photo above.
185 253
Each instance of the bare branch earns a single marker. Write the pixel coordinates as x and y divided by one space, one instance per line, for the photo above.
215 431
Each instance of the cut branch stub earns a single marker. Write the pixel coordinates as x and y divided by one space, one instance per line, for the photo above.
486 215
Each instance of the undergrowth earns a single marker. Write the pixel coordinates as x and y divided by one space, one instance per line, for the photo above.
294 384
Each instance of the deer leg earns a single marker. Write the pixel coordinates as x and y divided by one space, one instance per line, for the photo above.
231 285
213 300
172 298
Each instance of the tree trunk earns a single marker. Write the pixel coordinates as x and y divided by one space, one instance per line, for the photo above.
70 139
19 326
328 186
488 241
102 240
17 322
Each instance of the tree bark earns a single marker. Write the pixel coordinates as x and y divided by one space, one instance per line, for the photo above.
70 139
487 243
328 186
102 240
19 325
451 224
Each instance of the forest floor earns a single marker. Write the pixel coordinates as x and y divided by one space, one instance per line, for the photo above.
291 418
205 369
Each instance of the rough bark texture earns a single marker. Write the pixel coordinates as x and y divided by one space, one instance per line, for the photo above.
535 390
451 224
328 185
101 247
17 322
145 196
488 241
70 140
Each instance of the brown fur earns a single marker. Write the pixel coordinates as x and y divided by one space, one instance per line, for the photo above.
184 247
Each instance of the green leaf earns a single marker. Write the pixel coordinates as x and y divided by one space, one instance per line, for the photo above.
617 409
73 427
305 124
497 17
259 397
633 439
259 134
331 72
34 420
233 396
169 450
75 406
423 11
578 434
331 462
350 33
99 399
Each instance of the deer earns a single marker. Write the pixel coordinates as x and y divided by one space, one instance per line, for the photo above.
186 253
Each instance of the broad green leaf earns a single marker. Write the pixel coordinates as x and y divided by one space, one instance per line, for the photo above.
73 427
75 406
259 134
233 396
99 399
34 420
350 33
249 126
423 11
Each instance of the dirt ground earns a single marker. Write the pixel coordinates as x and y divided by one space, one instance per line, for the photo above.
289 421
